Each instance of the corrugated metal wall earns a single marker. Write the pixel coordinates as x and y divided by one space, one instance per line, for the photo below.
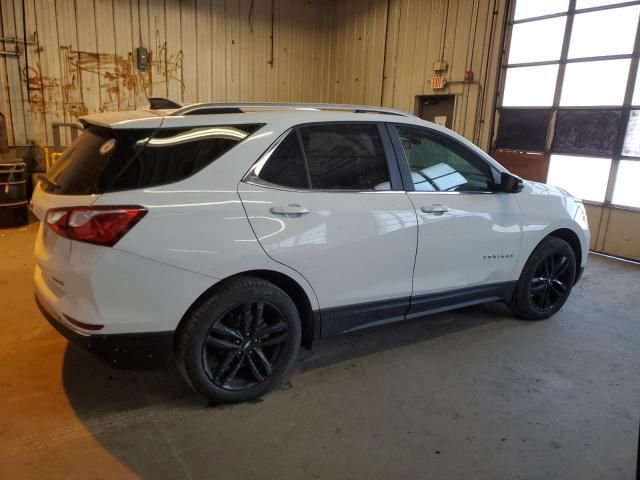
81 56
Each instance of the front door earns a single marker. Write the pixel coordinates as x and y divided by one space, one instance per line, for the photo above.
323 203
468 232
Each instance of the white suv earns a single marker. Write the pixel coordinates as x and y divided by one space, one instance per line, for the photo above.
233 234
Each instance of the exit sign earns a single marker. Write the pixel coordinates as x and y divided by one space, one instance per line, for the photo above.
438 82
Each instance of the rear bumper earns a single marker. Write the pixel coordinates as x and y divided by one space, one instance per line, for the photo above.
140 350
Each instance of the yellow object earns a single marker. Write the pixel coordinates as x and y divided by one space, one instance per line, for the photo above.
50 158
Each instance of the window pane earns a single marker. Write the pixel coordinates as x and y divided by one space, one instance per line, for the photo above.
626 191
285 166
546 35
536 8
631 146
530 86
523 129
439 164
580 4
583 177
605 32
586 132
345 157
581 87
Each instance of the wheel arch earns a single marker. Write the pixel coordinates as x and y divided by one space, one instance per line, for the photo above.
572 239
309 319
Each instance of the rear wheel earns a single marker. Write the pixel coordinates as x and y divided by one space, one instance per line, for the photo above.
546 280
241 342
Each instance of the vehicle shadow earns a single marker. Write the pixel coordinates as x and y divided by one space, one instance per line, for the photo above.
356 344
120 407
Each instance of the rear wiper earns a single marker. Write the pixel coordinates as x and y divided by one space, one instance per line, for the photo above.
52 183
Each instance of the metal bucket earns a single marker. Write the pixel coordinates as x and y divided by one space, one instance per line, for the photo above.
14 203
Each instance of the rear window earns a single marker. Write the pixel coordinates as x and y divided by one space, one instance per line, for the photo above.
104 160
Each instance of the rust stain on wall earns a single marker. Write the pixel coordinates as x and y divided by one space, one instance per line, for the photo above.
122 85
42 89
119 77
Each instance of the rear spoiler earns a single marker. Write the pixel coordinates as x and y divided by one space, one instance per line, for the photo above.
159 103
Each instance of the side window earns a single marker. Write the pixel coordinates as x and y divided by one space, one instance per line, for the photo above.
345 157
285 166
438 164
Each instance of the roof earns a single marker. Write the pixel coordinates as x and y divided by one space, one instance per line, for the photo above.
199 113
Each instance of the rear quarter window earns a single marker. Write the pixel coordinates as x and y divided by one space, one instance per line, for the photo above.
108 160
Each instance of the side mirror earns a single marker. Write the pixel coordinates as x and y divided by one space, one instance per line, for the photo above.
510 183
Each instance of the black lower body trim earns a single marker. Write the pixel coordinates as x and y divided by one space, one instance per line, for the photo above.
124 349
338 320
354 317
464 297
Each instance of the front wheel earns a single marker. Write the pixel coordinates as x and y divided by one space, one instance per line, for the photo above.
546 280
241 342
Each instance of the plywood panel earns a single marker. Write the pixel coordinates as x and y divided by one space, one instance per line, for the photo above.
34 77
394 17
246 47
49 65
189 48
218 75
174 52
140 36
530 166
227 33
71 69
161 64
260 45
14 88
204 51
125 73
106 56
594 217
5 105
622 234
86 57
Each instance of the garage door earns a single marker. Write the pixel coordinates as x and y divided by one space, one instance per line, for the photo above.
569 109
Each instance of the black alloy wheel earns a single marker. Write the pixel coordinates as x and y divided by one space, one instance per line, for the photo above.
546 280
240 342
243 346
550 282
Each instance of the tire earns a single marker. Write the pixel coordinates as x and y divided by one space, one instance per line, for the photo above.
241 342
546 280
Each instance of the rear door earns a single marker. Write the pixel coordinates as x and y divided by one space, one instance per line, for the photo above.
469 232
326 200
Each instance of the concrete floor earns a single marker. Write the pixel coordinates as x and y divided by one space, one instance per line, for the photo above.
471 394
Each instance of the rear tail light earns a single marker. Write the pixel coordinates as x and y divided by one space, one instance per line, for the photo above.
98 225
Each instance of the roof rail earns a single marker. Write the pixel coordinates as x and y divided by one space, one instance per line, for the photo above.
213 108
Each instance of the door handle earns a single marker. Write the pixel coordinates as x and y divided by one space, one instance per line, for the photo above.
291 209
435 209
